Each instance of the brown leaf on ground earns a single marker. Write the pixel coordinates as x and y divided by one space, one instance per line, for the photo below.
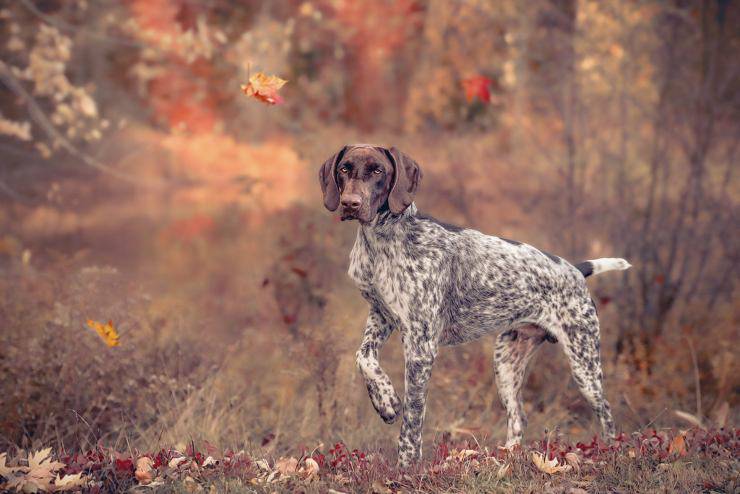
549 467
677 446
287 466
144 473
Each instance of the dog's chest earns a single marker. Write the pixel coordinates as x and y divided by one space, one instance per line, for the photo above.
370 267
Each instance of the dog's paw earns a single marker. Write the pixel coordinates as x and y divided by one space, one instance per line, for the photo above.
390 412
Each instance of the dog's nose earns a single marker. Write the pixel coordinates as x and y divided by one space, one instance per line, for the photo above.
351 201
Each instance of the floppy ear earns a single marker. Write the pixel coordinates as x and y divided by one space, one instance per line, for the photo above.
328 180
405 180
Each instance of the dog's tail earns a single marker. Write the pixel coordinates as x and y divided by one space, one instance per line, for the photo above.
598 266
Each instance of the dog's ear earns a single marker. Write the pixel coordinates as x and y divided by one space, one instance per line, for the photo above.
328 180
406 178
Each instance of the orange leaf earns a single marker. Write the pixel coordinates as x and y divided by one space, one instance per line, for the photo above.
264 88
107 332
677 446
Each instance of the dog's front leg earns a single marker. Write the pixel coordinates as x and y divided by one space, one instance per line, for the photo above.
419 356
379 386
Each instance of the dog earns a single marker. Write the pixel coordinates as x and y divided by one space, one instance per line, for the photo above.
440 284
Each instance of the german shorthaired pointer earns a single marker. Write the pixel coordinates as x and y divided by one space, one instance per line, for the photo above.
439 284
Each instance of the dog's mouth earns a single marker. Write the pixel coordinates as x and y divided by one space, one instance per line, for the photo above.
353 214
348 215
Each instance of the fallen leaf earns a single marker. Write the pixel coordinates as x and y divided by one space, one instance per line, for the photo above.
41 470
70 482
144 473
287 466
677 446
310 470
5 470
573 460
107 332
177 461
264 88
503 471
549 467
379 488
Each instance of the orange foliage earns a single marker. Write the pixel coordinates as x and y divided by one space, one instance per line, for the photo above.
180 96
377 30
191 228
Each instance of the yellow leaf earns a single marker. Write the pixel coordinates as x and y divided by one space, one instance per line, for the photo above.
264 88
548 466
106 331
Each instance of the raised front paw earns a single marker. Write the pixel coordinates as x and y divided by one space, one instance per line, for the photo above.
385 401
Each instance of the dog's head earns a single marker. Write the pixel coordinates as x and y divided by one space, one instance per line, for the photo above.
365 180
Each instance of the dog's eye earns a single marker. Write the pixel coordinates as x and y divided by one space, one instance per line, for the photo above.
344 169
377 171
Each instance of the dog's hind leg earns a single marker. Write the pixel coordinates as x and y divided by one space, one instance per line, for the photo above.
580 341
513 351
379 387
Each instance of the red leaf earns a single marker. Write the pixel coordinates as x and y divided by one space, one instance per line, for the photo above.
478 86
300 272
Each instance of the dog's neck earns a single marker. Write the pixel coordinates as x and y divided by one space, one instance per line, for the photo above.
386 224
386 220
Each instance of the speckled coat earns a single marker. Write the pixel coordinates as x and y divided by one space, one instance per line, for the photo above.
443 285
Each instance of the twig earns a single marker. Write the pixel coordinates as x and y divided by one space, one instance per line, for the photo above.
655 418
80 417
697 381
65 26
38 115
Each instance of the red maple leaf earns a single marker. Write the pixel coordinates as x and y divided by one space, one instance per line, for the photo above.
477 86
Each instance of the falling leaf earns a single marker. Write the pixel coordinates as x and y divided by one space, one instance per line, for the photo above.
548 466
264 88
106 331
677 446
478 86
144 470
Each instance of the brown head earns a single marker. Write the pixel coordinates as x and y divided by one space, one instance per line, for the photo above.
364 180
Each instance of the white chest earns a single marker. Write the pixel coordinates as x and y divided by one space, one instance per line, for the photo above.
372 268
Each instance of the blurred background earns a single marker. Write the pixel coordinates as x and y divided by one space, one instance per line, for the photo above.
138 184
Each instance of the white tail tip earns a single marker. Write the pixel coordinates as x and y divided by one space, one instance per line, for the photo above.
609 264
